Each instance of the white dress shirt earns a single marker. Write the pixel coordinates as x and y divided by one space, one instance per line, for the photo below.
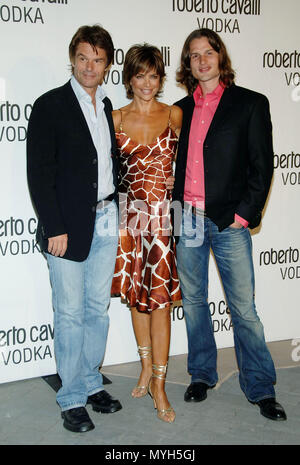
100 134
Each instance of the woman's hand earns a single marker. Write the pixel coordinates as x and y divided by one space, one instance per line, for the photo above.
170 183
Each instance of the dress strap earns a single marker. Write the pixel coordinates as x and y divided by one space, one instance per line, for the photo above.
169 122
121 122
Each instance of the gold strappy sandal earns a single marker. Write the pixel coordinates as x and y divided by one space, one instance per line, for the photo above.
168 414
141 391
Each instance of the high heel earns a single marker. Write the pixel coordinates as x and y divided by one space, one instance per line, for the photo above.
140 391
167 414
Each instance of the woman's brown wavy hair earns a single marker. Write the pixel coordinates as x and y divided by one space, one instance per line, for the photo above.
184 75
143 57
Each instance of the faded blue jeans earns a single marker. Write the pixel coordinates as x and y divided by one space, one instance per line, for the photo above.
81 296
232 249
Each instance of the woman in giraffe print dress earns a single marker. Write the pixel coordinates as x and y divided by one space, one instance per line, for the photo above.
145 274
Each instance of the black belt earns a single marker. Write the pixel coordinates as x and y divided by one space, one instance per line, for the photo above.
103 203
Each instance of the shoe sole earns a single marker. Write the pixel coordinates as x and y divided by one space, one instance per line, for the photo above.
272 418
195 400
98 409
81 429
77 429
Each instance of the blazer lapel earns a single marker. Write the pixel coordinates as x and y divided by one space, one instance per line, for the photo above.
108 109
80 122
186 126
221 111
76 113
108 114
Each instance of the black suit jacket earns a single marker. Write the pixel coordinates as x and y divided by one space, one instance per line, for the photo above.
62 168
238 156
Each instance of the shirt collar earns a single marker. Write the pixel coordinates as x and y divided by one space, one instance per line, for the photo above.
215 94
81 94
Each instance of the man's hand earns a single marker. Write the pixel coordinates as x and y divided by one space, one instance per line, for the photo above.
236 225
170 183
57 245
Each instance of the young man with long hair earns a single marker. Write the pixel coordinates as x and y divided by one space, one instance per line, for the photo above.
223 174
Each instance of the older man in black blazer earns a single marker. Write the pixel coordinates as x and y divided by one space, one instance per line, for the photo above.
223 174
72 176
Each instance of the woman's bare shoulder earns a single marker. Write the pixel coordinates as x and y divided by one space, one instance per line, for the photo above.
117 116
175 117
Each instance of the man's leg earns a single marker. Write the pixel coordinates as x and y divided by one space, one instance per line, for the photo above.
193 251
233 252
100 266
67 279
99 269
81 294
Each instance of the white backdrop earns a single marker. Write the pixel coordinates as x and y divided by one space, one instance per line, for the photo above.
263 40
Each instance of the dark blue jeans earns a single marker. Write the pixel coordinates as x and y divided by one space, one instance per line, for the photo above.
232 249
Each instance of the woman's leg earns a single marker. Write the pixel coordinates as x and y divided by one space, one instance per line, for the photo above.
141 323
160 336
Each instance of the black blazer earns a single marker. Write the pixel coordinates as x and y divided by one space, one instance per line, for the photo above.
238 156
62 170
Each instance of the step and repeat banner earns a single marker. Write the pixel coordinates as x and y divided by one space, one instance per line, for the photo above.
262 37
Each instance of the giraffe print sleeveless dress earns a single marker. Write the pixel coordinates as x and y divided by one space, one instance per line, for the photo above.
145 273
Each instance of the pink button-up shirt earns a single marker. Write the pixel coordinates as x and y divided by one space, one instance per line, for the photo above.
205 108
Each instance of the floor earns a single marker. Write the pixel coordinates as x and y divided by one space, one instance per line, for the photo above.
29 414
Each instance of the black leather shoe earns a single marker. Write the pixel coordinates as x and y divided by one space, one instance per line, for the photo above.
77 420
196 392
104 402
269 408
